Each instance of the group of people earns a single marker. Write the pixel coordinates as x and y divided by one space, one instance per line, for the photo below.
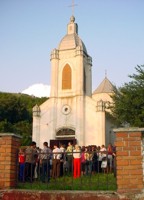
47 163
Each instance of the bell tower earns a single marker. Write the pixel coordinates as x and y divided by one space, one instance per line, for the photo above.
71 66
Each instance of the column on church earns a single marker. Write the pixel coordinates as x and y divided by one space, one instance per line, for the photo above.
80 75
54 73
80 120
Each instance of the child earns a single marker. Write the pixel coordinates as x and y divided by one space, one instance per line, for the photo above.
21 157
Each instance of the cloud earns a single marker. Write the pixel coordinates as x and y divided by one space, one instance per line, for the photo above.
38 90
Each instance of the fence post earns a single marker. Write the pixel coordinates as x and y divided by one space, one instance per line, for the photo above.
9 144
129 159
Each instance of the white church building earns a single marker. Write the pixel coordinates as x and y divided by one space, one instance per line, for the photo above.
73 112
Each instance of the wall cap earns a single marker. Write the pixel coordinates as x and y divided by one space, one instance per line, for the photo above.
10 134
128 129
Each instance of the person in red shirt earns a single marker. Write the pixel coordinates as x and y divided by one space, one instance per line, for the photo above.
110 158
21 158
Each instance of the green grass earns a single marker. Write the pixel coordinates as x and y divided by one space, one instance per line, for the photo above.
94 182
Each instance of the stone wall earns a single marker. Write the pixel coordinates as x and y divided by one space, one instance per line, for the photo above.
64 195
129 160
9 144
143 154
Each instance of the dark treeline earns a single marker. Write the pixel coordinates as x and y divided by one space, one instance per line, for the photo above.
16 114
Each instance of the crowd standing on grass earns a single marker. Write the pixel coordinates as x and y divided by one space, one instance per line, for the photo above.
51 163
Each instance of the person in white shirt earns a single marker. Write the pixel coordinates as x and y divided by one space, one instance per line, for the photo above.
103 151
56 162
62 159
77 161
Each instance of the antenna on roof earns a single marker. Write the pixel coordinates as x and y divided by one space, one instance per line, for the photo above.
72 6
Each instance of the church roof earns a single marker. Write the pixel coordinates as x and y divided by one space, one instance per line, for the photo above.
105 87
71 40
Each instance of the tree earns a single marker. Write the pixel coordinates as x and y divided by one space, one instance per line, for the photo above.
128 101
16 114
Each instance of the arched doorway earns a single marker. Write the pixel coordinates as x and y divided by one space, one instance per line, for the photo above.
64 136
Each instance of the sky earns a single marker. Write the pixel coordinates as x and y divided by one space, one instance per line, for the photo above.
112 31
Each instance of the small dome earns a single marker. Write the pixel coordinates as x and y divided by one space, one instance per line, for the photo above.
71 41
72 19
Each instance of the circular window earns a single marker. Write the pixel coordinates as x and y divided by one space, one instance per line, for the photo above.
66 109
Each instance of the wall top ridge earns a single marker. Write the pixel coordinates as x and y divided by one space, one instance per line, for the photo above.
129 129
9 134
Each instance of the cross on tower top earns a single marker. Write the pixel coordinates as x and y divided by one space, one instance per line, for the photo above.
72 6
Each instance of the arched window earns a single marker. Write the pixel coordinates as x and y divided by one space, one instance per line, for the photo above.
66 77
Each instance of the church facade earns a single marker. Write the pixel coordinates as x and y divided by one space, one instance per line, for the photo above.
73 113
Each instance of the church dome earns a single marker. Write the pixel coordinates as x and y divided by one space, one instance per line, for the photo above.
71 40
